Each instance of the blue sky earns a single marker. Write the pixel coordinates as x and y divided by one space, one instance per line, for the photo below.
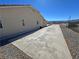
52 10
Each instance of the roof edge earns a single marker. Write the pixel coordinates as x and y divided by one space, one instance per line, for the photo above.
1 5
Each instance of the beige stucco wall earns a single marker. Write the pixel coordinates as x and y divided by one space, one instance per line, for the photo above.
40 18
12 16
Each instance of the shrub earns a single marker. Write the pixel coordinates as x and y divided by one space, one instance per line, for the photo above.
72 25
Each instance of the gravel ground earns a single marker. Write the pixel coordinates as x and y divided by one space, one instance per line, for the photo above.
72 39
9 51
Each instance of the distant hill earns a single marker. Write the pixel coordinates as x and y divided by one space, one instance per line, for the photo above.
75 21
56 22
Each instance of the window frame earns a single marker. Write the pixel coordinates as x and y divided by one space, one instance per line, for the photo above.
23 23
1 26
37 22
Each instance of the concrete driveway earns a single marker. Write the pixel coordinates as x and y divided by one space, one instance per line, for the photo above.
47 43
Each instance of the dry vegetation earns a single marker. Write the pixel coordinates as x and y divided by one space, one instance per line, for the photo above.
72 39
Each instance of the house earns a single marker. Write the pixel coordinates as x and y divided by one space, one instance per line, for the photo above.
17 19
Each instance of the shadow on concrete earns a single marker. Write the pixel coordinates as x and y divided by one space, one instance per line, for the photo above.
4 41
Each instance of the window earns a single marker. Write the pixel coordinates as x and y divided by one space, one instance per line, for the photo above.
1 25
37 22
23 24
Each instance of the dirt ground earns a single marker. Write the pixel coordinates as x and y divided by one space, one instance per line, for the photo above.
9 51
72 39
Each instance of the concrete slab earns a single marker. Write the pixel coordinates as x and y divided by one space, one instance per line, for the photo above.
47 43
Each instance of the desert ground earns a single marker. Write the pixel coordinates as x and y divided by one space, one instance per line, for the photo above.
72 39
52 42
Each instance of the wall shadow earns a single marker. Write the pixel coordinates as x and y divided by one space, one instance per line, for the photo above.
4 41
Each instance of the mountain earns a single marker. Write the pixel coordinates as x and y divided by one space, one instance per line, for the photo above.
56 22
75 21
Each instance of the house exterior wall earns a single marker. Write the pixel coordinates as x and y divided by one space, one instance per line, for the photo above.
40 18
17 19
